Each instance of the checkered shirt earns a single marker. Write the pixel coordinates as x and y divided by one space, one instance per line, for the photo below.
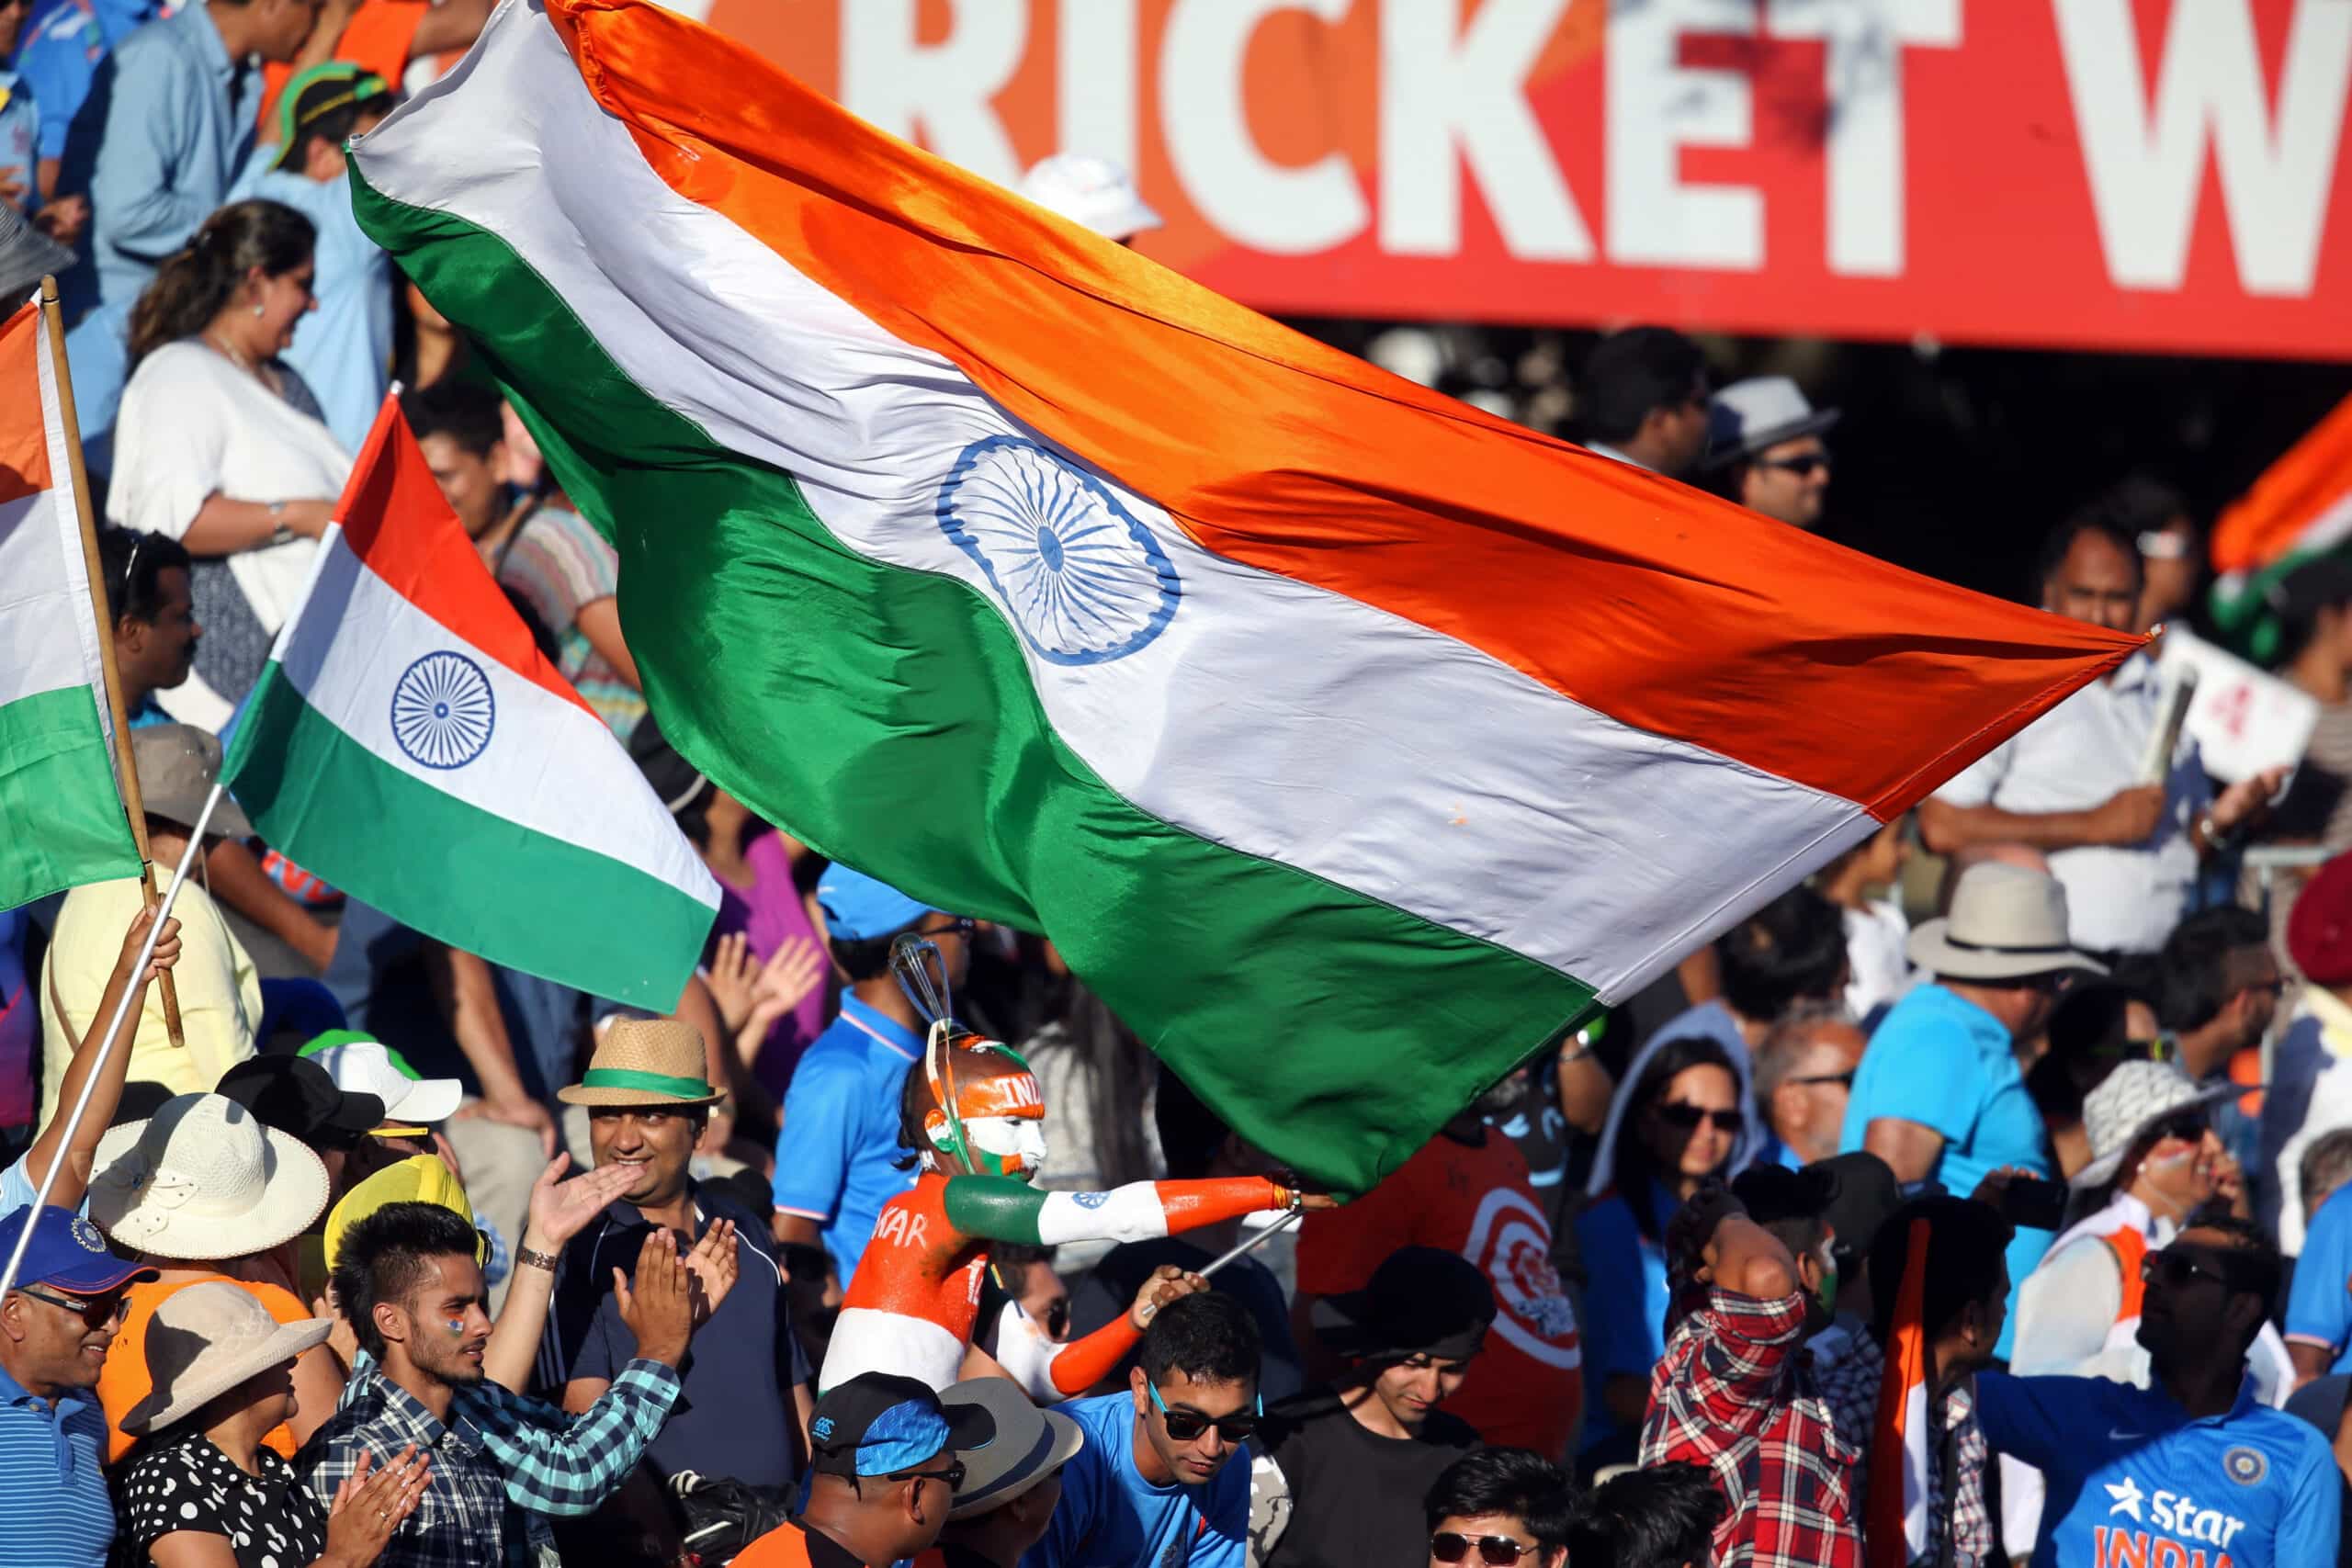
1850 1375
1732 1394
501 1463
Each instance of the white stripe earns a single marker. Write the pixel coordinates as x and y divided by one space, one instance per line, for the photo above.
1132 1213
868 1339
48 621
1915 1469
1286 722
547 765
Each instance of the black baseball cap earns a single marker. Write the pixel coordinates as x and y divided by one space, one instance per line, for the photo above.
881 1424
301 1098
1421 1301
1868 1194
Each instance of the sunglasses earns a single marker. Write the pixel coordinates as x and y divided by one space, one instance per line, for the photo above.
1058 1318
957 925
2176 1270
104 1312
1450 1546
1843 1080
1675 1113
953 1475
2188 1127
1186 1426
1804 466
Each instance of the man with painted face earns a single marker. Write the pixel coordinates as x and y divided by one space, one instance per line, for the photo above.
1158 1481
974 1111
2194 1470
1341 1469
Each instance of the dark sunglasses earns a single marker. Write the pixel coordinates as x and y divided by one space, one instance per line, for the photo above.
1843 1080
1186 1426
1804 466
1450 1546
1058 1318
2176 1270
953 1475
2188 1127
957 925
1675 1113
101 1312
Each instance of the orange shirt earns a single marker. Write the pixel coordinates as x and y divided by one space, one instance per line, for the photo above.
123 1382
1526 1388
377 39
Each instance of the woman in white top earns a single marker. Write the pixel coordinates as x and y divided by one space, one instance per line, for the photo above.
220 446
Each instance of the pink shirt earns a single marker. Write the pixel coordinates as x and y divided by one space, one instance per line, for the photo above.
767 912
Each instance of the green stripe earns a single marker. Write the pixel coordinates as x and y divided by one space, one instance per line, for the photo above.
1000 1208
478 880
886 716
646 1083
65 821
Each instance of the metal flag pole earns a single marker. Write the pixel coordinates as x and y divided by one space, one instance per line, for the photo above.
1238 1249
114 1032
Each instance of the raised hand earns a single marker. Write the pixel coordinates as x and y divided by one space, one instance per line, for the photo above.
369 1508
730 976
659 1308
167 946
1167 1283
561 1209
712 1267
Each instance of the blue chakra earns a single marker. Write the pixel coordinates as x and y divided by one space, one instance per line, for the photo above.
1091 1200
442 711
1083 580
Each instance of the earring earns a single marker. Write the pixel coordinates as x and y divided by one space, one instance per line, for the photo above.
257 312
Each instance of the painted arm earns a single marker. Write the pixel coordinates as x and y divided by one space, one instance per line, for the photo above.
1049 1372
1004 1208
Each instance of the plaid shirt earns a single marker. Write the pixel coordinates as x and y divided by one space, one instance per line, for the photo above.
501 1462
1732 1394
1849 1368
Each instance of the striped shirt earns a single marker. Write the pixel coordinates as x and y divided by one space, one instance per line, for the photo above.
54 1511
560 564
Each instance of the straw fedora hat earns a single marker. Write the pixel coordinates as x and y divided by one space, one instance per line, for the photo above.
2005 922
203 1341
645 1061
203 1178
2130 1101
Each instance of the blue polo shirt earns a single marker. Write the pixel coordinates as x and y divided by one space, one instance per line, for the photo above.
1110 1516
59 51
2319 1305
735 1412
2127 1471
54 1511
836 1156
1947 1064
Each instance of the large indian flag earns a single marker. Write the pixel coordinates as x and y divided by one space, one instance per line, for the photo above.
1350 743
408 742
61 822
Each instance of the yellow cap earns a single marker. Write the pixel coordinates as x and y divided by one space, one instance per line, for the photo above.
420 1179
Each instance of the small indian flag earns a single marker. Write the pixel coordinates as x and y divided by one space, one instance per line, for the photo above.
58 794
409 743
1898 1524
2300 506
1348 741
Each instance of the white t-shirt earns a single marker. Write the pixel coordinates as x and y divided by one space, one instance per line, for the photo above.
1880 969
2076 756
193 424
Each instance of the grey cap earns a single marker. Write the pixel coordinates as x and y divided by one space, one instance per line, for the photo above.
1030 1444
179 765
1747 417
26 257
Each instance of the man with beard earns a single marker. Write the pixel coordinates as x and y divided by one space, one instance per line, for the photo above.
2193 1468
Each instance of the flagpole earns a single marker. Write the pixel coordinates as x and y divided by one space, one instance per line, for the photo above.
126 772
107 1045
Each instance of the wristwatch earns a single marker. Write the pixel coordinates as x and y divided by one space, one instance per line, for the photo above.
280 534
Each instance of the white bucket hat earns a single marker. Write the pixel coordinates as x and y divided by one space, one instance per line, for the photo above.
2005 922
203 1341
202 1180
2127 1102
1092 191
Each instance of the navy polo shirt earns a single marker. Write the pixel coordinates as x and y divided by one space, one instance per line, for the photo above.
54 1511
735 1416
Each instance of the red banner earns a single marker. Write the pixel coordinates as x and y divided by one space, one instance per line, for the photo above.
2148 175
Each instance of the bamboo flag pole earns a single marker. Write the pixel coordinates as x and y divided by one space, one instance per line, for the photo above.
113 1037
126 774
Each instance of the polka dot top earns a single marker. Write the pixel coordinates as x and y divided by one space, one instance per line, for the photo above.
271 1520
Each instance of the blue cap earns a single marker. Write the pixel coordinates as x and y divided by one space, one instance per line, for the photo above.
66 1251
859 908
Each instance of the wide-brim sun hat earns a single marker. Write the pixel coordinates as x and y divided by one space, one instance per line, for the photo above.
202 1180
645 1061
2005 923
204 1340
2128 1101
1749 418
1028 1446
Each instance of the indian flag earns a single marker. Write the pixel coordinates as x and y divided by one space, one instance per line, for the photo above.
1350 743
58 794
1903 1445
2300 506
408 742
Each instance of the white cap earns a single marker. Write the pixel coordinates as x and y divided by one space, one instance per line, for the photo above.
1095 192
364 1067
